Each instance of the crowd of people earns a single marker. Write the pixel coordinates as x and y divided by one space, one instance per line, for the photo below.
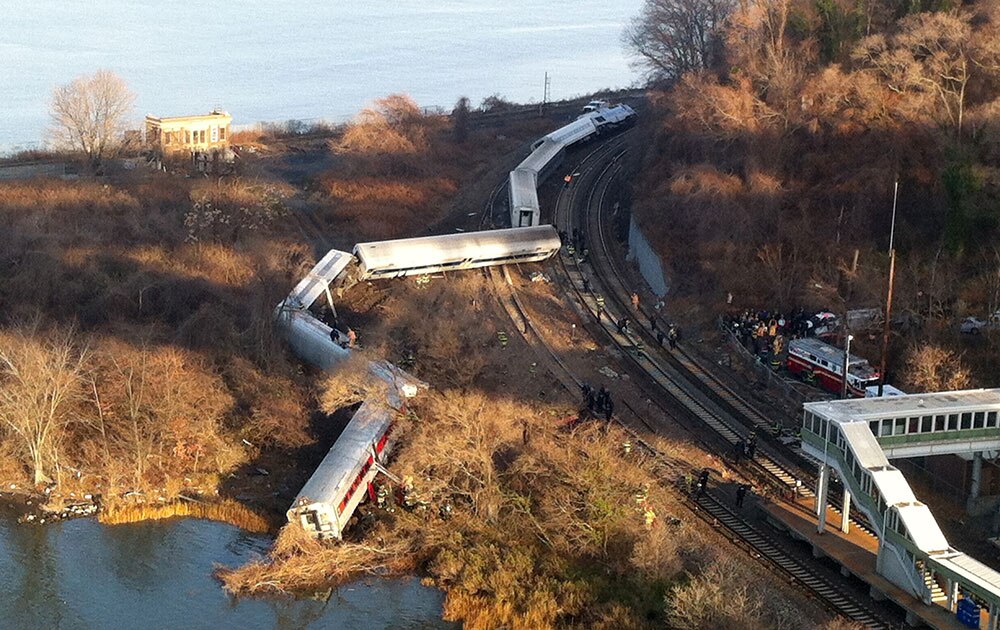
598 402
765 333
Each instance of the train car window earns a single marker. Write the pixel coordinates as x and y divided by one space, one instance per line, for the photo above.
939 424
927 424
886 427
991 419
873 425
914 425
953 422
900 426
978 420
966 420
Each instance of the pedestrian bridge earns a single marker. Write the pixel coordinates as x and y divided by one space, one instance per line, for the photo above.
856 439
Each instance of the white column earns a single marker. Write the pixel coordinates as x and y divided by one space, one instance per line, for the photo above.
952 595
845 517
821 496
819 486
992 620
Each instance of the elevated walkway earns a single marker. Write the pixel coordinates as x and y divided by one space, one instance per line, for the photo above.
915 425
846 437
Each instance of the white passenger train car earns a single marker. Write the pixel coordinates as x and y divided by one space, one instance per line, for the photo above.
547 153
612 116
326 503
319 279
523 194
453 252
543 160
309 338
576 131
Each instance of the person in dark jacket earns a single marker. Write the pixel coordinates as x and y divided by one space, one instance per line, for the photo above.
741 493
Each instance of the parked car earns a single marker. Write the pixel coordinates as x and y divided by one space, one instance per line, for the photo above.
973 326
594 106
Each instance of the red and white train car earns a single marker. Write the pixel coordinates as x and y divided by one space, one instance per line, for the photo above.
826 365
326 503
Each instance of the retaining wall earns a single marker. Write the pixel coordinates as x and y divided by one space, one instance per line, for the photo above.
650 265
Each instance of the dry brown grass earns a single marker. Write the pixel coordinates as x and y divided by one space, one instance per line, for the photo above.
227 511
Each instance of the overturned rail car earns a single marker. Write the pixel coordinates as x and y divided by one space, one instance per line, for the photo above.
326 503
454 252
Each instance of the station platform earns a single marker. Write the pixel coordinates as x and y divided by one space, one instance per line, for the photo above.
855 552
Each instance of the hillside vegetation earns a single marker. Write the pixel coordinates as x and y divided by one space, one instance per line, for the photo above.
779 134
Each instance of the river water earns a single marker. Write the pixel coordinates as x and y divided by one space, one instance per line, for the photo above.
80 574
278 60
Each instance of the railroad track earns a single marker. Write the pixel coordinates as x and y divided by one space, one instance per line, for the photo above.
700 392
711 506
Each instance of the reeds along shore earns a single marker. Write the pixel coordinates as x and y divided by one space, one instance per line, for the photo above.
225 511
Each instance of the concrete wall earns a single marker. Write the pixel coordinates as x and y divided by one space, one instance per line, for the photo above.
650 265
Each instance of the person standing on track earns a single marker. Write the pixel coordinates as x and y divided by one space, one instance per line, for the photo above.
635 300
741 493
609 408
623 325
703 482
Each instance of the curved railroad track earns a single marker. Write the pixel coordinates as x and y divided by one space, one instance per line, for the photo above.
708 401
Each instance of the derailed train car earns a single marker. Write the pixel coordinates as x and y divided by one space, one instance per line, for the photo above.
453 252
547 154
326 503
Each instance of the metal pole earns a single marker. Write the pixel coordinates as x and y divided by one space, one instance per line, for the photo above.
888 297
847 361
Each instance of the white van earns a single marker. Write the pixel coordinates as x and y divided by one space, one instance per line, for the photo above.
594 106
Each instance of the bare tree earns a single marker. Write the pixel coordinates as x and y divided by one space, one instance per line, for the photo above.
90 115
929 57
931 368
40 380
673 37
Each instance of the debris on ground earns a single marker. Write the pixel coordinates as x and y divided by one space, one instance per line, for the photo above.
538 276
607 371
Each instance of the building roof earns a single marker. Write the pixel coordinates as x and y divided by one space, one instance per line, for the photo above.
866 409
182 119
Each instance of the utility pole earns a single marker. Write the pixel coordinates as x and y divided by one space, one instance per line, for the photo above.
888 297
546 92
847 363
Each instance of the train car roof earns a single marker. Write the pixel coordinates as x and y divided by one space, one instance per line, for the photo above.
523 193
541 156
823 350
430 250
614 114
574 131
340 466
319 277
